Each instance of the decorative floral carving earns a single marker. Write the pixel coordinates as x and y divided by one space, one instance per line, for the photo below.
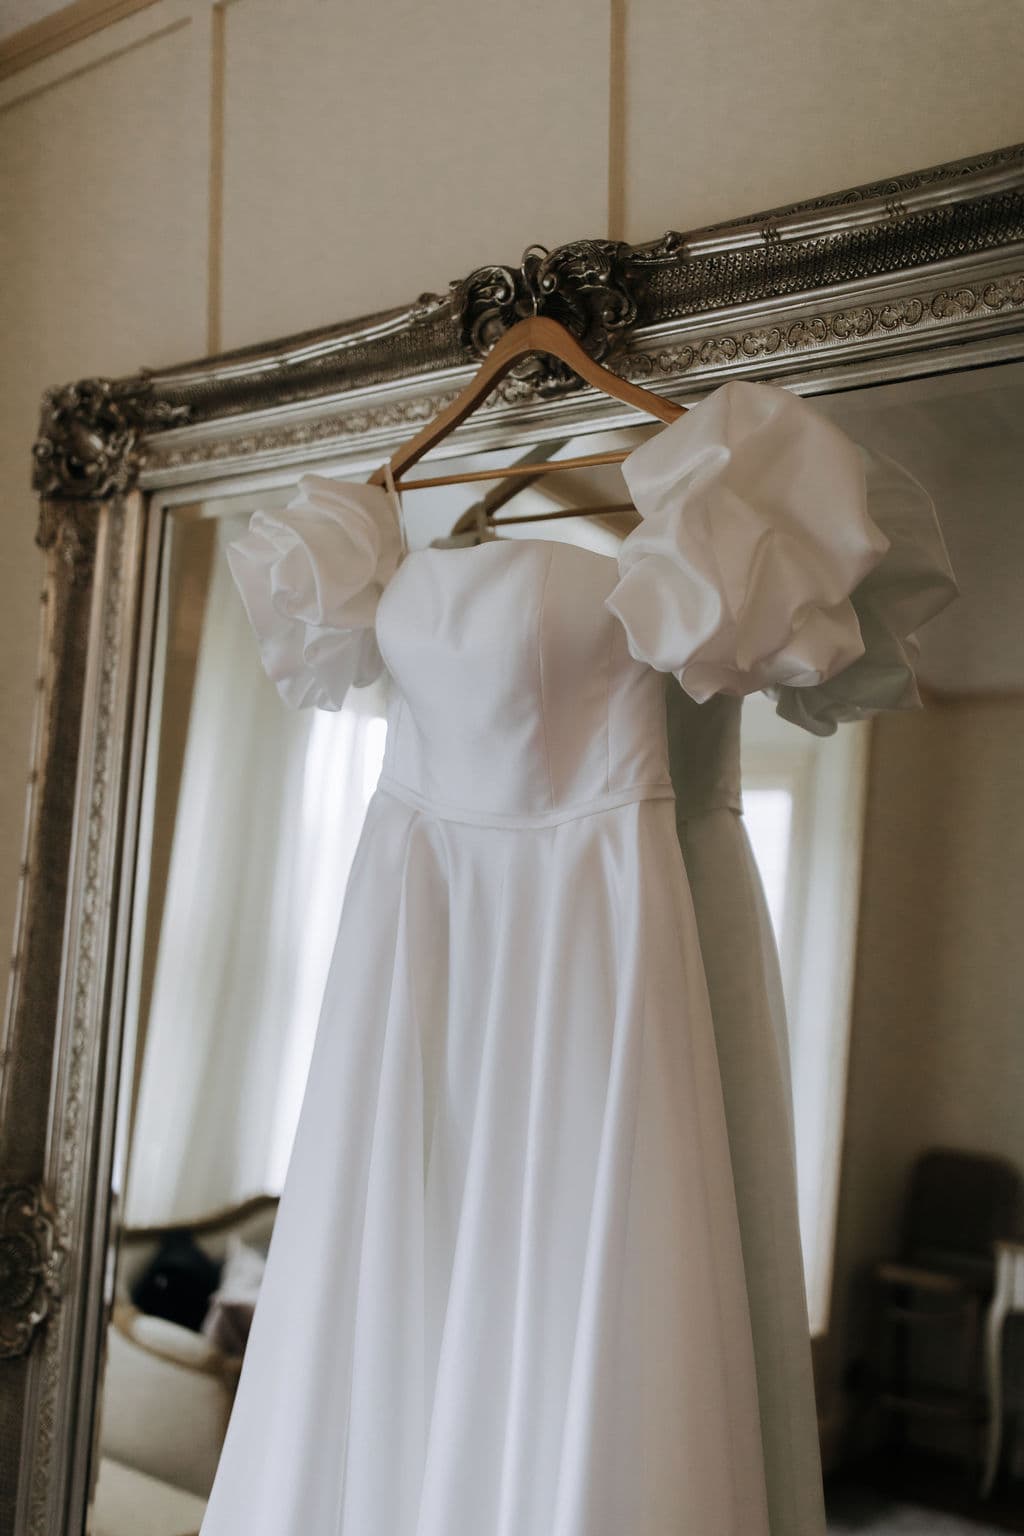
87 449
661 364
852 322
674 359
719 349
1009 291
587 287
761 342
584 285
807 333
668 247
486 303
396 416
952 302
891 316
603 290
30 1267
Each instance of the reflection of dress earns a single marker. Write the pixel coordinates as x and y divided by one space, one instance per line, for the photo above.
745 992
909 586
506 1289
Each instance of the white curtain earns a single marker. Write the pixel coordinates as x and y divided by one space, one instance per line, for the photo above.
270 808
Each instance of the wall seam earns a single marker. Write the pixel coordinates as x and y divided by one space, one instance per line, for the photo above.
94 64
617 120
215 230
31 44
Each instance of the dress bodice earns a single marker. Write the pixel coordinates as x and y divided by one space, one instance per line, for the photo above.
772 553
519 1022
515 694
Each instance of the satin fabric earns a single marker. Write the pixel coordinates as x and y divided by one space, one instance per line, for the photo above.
755 532
506 1289
748 1012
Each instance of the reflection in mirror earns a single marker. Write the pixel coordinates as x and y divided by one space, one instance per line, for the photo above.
878 885
251 816
923 1351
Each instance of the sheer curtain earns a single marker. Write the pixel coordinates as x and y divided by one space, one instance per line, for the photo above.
270 807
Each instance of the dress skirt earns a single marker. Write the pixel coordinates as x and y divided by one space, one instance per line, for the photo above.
742 970
505 1292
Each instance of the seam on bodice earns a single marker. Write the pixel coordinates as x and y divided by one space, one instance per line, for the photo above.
540 672
608 708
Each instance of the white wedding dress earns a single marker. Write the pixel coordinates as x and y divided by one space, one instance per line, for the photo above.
506 1293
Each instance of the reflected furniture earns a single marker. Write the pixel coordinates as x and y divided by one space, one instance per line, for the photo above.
929 1301
1008 1298
167 1389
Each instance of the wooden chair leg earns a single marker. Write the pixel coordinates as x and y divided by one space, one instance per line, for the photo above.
997 1312
970 1377
878 1373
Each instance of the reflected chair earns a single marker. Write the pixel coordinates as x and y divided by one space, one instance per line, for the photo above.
167 1390
929 1301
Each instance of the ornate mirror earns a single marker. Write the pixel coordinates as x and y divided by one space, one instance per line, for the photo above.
156 1043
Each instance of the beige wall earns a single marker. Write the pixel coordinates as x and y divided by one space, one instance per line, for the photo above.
103 248
198 177
937 1044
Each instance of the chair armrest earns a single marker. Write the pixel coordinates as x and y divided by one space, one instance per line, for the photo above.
920 1279
163 1415
171 1342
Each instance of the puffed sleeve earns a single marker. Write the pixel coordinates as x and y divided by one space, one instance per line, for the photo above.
754 532
311 577
911 584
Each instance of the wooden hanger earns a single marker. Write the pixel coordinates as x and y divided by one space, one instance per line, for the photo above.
538 333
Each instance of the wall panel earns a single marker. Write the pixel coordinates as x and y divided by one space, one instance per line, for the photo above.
372 152
740 107
103 240
936 1039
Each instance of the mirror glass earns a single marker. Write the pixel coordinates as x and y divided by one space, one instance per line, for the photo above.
893 865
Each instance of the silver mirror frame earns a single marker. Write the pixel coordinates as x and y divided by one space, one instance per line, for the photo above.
917 275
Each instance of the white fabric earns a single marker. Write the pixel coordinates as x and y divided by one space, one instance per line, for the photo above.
505 1291
231 1307
755 531
910 585
242 1274
748 1012
310 582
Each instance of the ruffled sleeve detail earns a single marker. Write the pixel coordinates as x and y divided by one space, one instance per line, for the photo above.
910 585
755 530
311 577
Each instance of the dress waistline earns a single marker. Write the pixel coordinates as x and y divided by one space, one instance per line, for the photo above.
445 812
